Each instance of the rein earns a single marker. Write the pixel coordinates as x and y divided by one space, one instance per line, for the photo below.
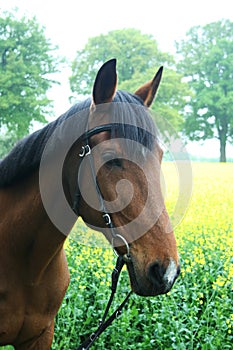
103 323
122 259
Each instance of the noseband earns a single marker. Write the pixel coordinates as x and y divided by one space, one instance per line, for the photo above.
86 151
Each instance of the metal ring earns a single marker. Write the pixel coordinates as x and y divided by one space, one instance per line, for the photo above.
125 242
92 336
107 219
88 150
82 152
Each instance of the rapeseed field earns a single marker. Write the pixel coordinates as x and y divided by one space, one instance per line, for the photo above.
196 314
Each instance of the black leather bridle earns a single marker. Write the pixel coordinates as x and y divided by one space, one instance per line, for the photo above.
86 151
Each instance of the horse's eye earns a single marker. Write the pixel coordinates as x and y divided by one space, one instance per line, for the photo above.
111 160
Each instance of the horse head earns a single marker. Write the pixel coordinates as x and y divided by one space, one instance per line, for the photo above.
126 163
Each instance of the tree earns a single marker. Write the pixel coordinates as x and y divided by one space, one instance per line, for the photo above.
138 58
26 63
7 142
207 56
171 100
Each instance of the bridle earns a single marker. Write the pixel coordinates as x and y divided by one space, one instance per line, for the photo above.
86 151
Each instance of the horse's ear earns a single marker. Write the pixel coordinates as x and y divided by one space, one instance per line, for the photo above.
148 91
105 83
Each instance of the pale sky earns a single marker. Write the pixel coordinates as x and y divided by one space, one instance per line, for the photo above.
70 23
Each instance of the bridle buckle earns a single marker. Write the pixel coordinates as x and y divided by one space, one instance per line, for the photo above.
85 151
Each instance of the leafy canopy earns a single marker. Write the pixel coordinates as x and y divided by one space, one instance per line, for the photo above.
26 62
207 63
138 58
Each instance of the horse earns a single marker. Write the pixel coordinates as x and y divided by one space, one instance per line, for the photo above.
46 183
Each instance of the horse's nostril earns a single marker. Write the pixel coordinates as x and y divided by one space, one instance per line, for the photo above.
163 277
156 274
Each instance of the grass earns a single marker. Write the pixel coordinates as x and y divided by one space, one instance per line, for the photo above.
196 314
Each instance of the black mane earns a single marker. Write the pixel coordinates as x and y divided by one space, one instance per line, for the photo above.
25 157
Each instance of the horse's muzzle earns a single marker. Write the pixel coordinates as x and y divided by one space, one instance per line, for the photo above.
163 278
159 278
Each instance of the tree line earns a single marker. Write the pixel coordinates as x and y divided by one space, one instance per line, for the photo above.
196 95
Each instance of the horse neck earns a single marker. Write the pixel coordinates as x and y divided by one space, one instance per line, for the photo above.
27 230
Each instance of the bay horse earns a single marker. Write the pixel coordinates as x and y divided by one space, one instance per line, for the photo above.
34 274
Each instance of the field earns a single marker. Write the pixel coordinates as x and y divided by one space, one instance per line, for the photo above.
196 314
